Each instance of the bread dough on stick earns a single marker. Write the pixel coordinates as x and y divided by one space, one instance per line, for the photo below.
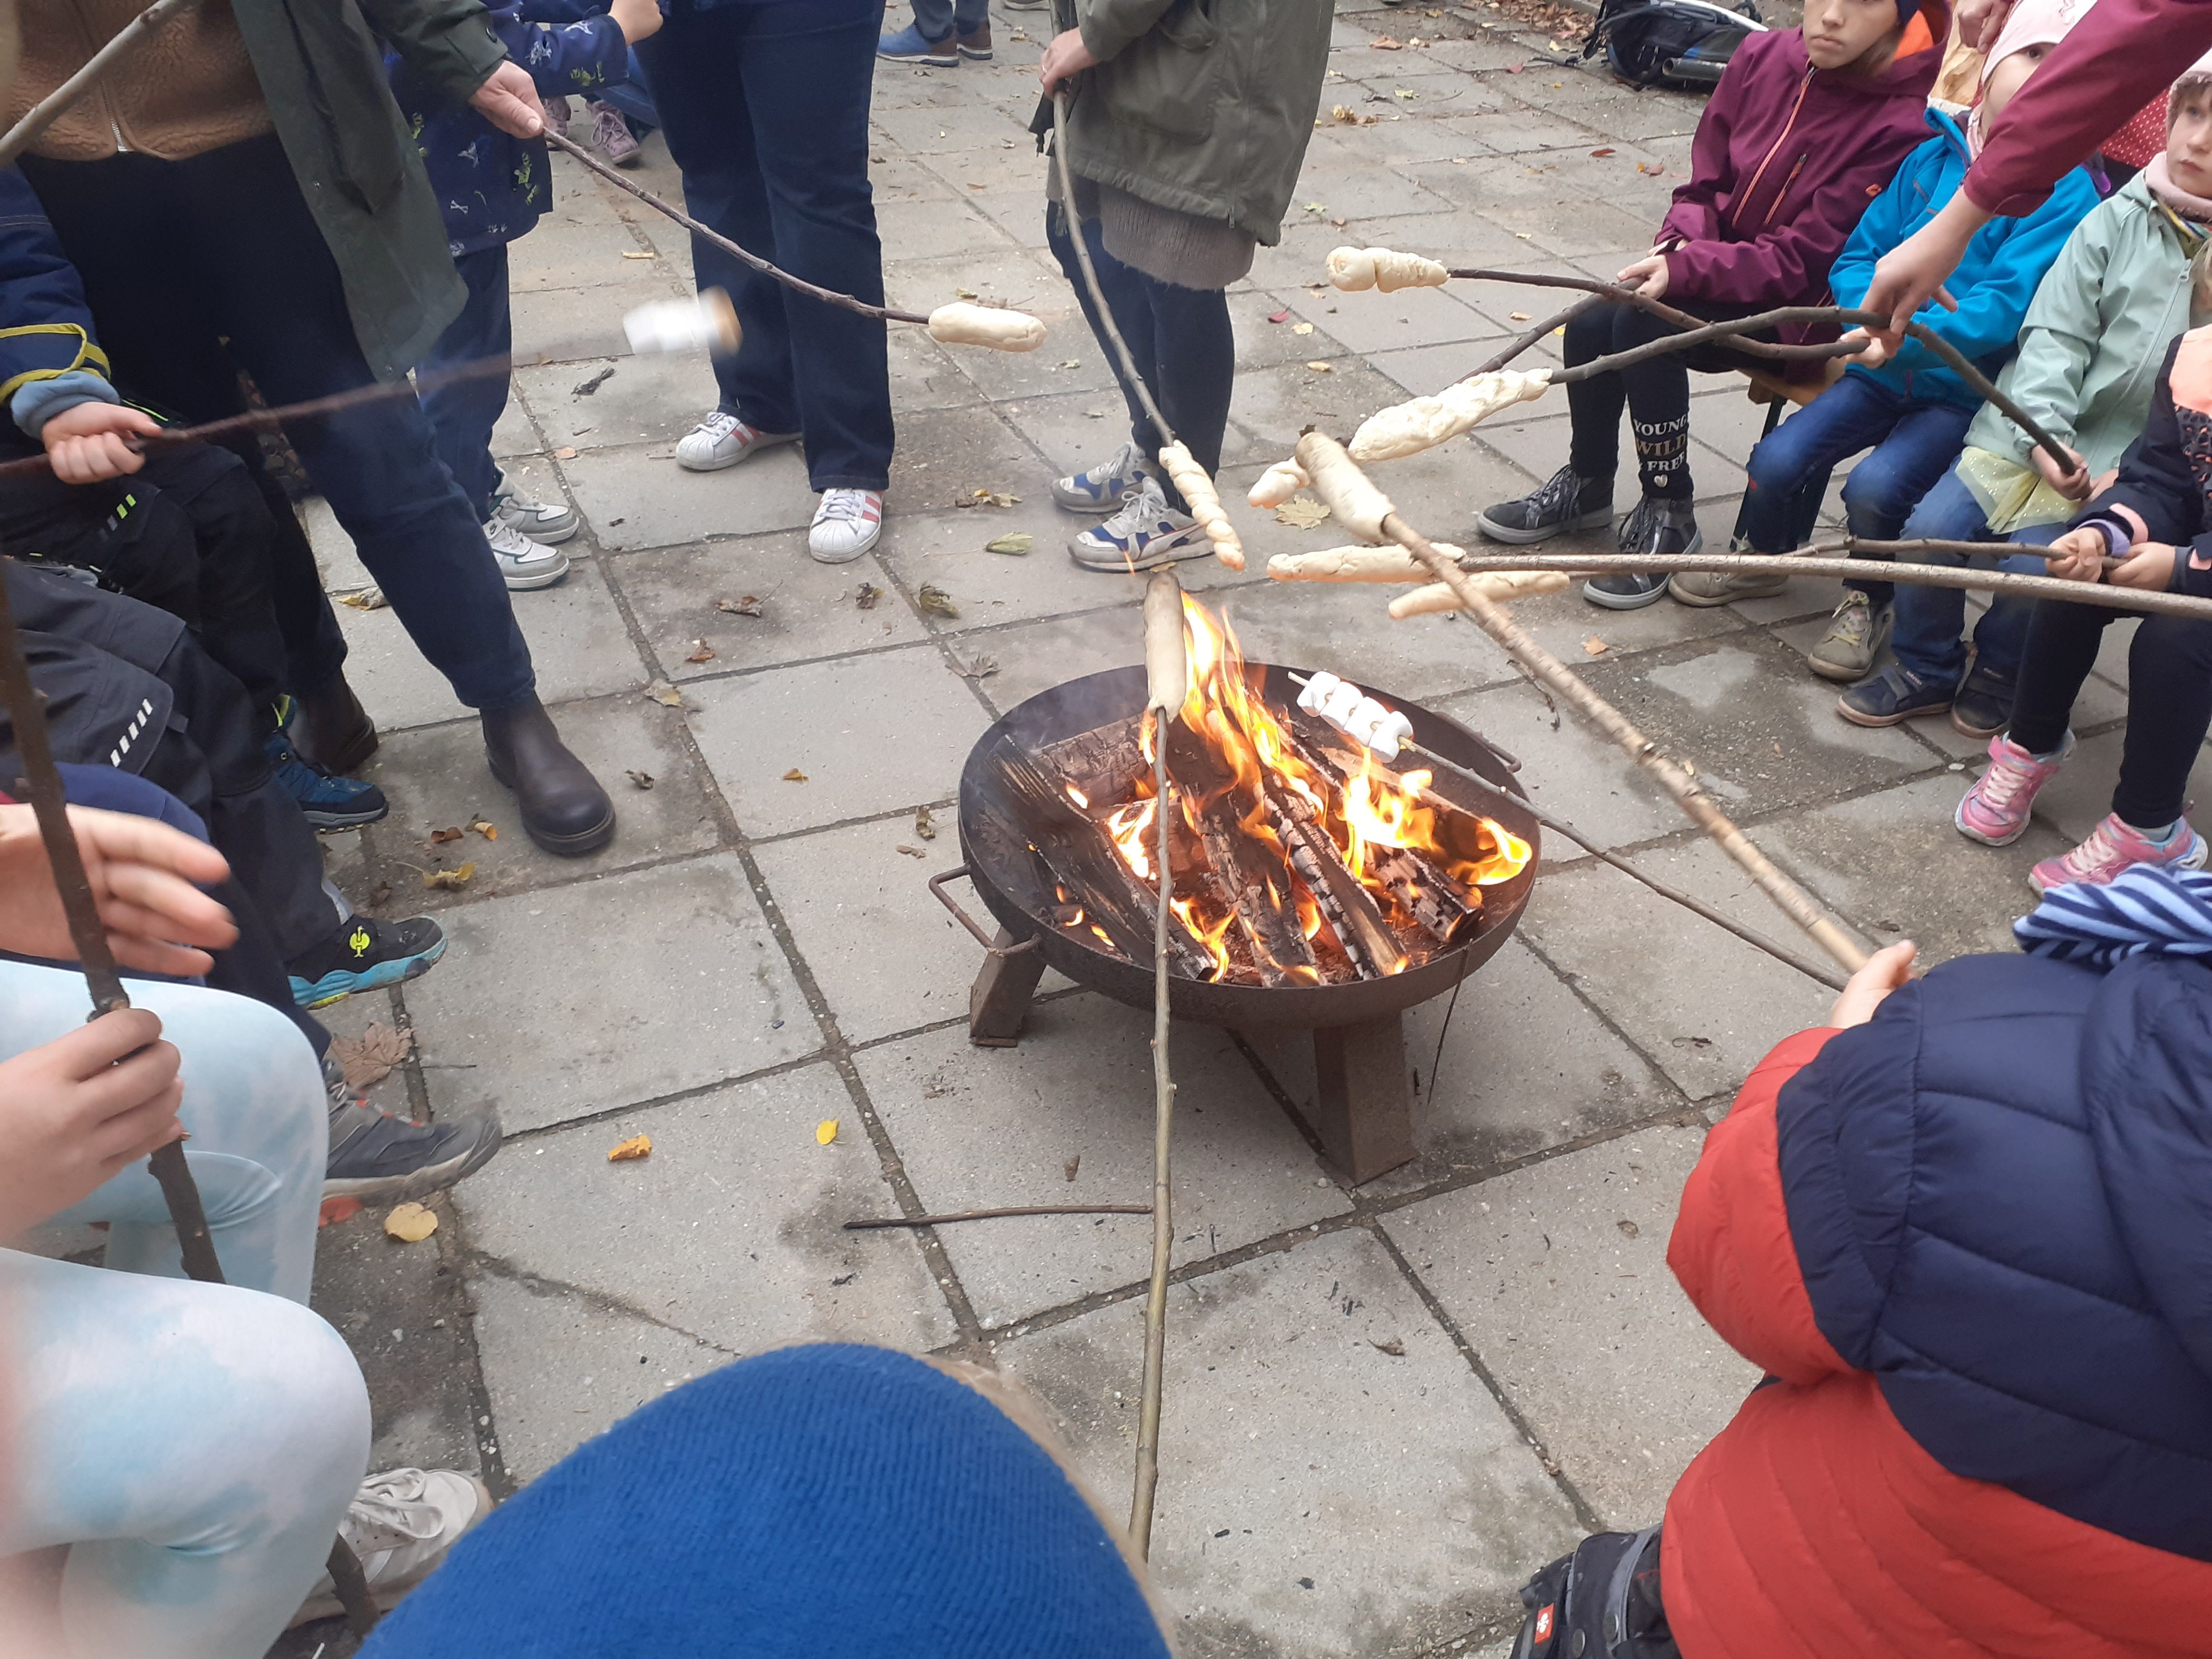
1198 494
1167 664
1422 423
1497 585
1279 484
1354 269
962 324
1355 564
1359 506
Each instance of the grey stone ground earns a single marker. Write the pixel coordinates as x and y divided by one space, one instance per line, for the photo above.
753 955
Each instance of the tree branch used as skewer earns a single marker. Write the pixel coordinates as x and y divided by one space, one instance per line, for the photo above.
48 110
993 1215
1620 294
1514 348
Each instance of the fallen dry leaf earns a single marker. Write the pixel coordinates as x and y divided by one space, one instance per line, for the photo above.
636 1147
700 652
642 779
439 837
662 692
335 1209
1394 1347
1067 1170
1594 646
485 828
924 825
411 1223
1322 368
566 453
586 388
1407 93
935 601
1301 512
1282 316
794 775
1691 767
450 880
911 852
747 606
1628 1228
1519 316
1302 328
866 595
365 599
981 669
1071 362
963 293
1384 43
370 1058
1601 152
825 1132
1019 541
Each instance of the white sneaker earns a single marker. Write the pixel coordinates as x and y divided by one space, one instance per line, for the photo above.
1104 488
721 441
846 524
400 1523
542 521
1146 529
523 563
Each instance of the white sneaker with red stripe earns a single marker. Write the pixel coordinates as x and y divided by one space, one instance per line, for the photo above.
846 524
721 441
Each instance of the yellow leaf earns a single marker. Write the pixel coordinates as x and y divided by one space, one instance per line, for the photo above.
411 1223
485 828
794 775
1019 541
636 1146
1301 512
451 879
1596 646
1301 328
825 1132
1322 368
924 825
662 692
1518 316
365 599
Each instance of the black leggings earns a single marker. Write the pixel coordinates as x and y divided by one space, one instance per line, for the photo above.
2169 701
1656 394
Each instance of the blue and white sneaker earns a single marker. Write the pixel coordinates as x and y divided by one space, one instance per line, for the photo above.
1104 487
1146 530
909 46
326 802
364 955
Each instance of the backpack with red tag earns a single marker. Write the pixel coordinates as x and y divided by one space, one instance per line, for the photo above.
1600 1602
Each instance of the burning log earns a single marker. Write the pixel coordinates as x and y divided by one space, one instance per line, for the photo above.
1100 766
1265 907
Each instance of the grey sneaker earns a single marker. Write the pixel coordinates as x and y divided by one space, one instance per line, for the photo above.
1105 487
543 522
1711 587
1561 503
375 1155
1146 528
1657 526
1856 636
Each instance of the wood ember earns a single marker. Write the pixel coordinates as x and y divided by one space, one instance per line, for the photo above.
1266 907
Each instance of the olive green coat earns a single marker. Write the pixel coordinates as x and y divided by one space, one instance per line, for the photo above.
1202 105
323 75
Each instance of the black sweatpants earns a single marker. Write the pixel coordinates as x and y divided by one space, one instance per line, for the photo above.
1657 393
2169 701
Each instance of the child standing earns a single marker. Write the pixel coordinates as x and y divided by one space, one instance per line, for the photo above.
1911 408
2088 358
2155 519
1805 128
492 188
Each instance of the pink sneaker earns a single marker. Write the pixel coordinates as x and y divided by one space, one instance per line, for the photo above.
612 137
1994 810
556 115
2113 846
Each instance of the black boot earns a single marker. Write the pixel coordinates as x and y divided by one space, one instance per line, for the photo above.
562 806
330 730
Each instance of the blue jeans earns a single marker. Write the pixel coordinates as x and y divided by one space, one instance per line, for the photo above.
1926 638
766 110
176 255
1180 337
938 18
463 412
1914 443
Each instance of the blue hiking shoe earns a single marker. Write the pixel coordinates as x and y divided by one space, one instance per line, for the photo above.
365 955
909 46
1106 487
326 801
1892 697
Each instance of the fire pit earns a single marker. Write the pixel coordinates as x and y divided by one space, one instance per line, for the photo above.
1315 887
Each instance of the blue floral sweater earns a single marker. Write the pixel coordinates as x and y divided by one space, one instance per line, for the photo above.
493 188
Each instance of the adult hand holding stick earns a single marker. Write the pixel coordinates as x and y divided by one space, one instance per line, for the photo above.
508 99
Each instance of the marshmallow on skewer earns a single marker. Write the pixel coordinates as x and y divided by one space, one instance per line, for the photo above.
1279 484
1422 423
1352 712
1353 269
962 324
709 320
1198 494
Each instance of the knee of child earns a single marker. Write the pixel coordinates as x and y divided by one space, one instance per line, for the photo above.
1874 497
300 1407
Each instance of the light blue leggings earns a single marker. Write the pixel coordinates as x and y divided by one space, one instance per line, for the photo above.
194 1446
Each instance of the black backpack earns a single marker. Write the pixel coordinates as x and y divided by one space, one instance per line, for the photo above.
1670 43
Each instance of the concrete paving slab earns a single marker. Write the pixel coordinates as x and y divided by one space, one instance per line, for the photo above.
946 459
1373 1503
646 400
985 1128
1421 658
735 1176
636 496
1557 1274
2081 795
720 1002
871 735
1375 321
807 609
949 550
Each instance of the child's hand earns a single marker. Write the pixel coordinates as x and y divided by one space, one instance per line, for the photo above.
2149 565
1648 277
1886 969
143 875
1873 354
87 443
2078 555
636 19
81 1108
2073 484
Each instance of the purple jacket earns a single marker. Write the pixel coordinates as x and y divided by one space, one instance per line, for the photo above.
1785 159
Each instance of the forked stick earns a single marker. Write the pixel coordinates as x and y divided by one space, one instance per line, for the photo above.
1339 482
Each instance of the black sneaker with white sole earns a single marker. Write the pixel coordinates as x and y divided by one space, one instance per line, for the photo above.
375 1155
1657 526
1562 504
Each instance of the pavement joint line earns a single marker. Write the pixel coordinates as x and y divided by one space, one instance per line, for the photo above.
455 1254
542 1285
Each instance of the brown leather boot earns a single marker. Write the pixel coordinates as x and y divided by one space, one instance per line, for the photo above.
562 806
331 729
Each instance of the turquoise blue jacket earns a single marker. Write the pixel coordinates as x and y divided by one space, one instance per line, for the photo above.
2003 266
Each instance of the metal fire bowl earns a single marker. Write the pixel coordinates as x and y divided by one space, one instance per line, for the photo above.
1002 869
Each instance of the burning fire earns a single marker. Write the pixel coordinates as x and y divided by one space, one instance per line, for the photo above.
1422 864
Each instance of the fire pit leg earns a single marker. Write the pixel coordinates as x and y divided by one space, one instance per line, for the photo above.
999 1000
1364 1107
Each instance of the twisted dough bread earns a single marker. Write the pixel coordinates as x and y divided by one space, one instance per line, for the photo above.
1197 490
1497 585
1422 423
1353 269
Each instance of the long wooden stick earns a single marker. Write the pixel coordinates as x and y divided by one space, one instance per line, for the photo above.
1514 348
48 110
875 1222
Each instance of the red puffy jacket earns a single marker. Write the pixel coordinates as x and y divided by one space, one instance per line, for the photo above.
1814 1526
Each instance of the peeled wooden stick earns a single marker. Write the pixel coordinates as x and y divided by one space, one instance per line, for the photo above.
1198 494
1324 457
1498 585
1355 268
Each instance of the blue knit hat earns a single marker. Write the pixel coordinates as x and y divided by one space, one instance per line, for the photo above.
813 1503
